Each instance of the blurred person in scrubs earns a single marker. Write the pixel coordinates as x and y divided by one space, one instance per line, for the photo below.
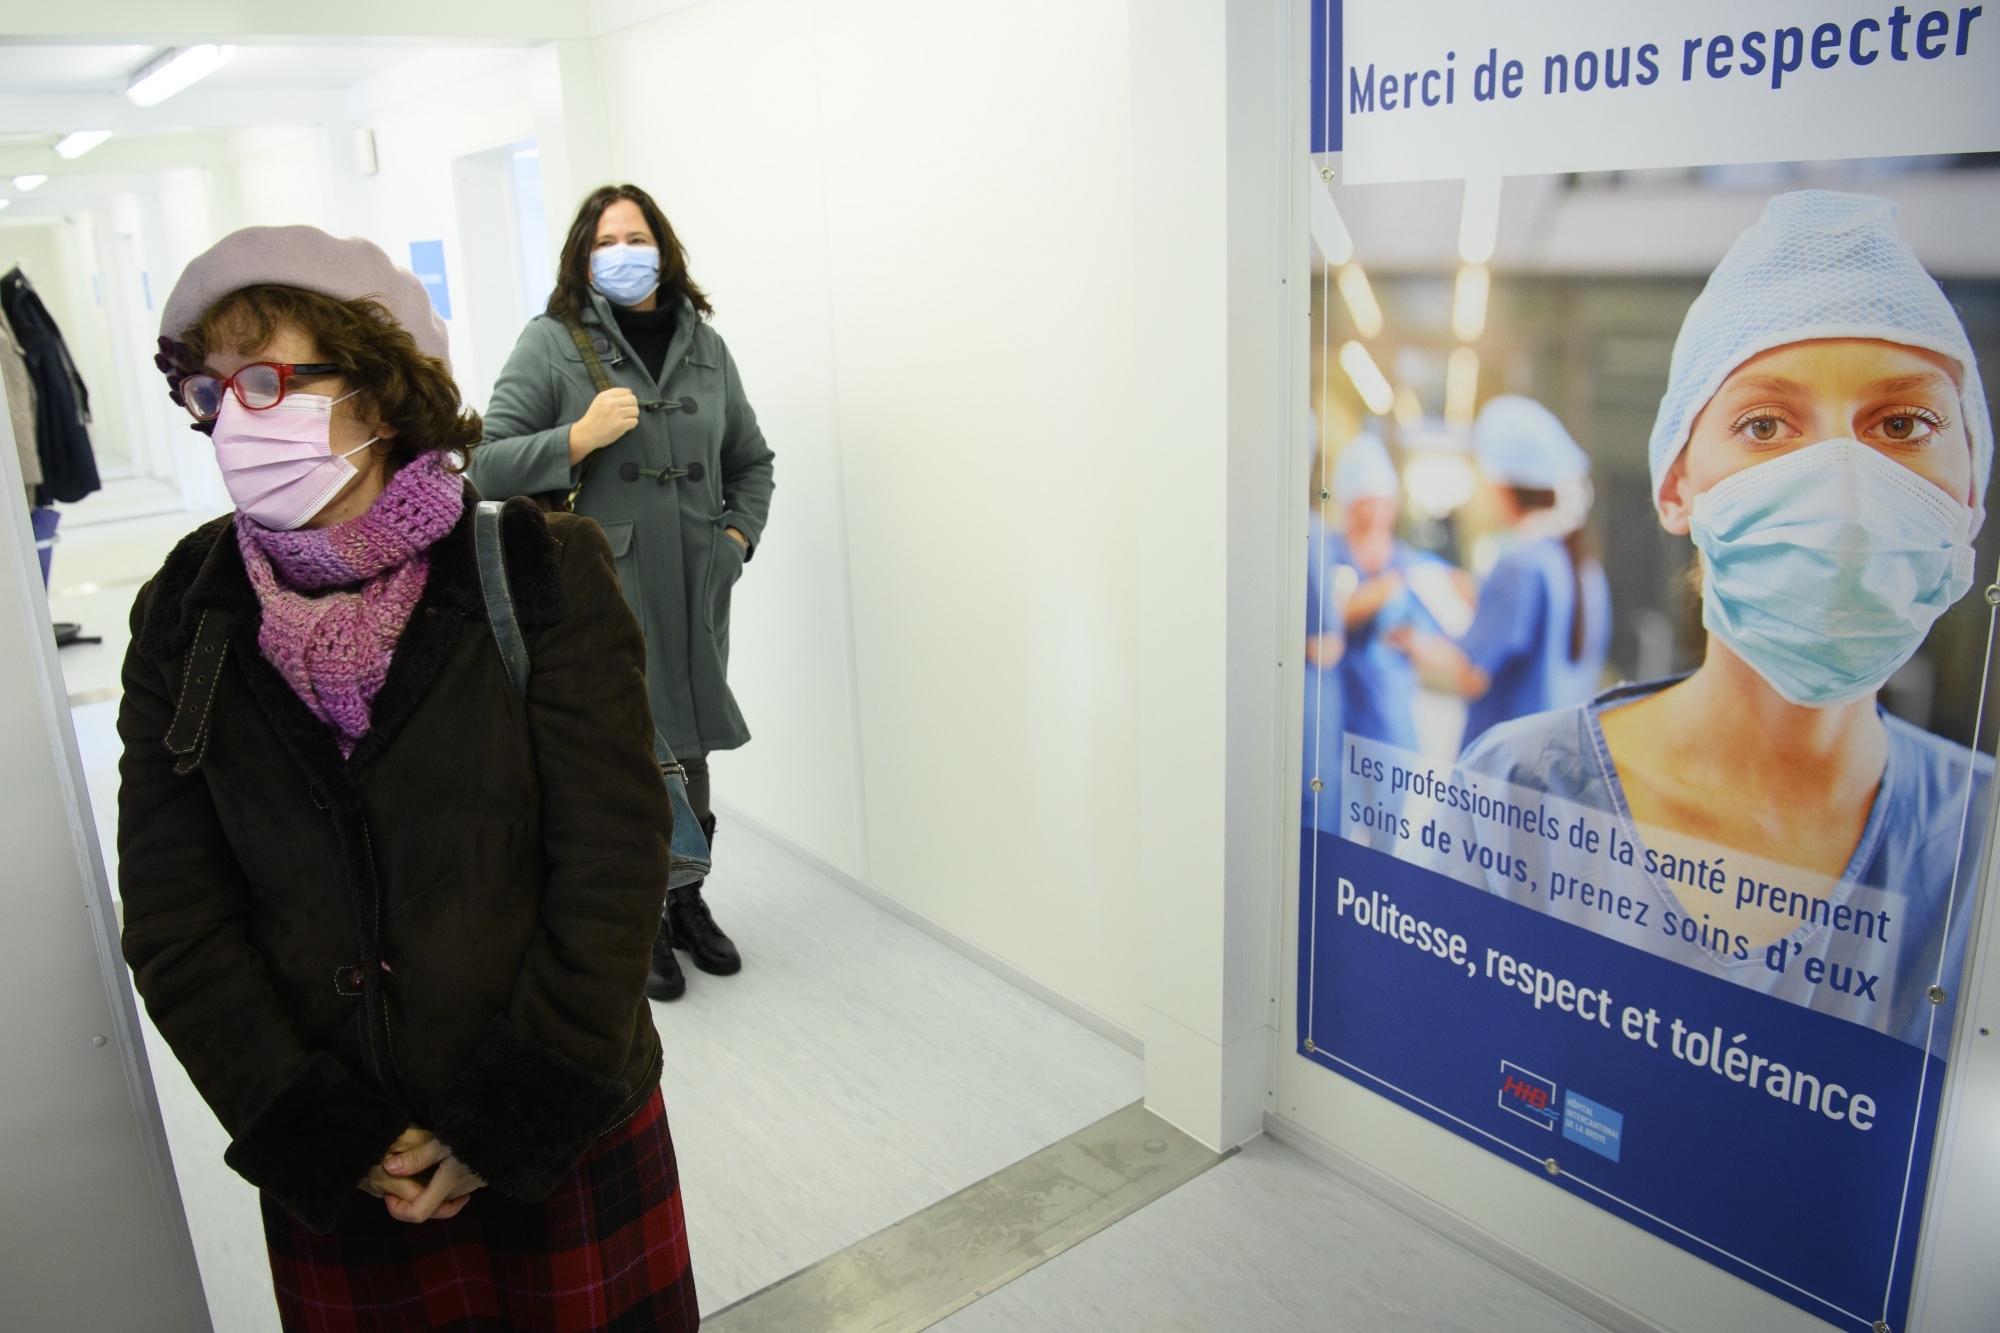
1825 441
1326 644
1543 627
1372 574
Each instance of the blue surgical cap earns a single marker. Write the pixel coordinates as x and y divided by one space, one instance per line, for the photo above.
1364 470
1817 264
1520 443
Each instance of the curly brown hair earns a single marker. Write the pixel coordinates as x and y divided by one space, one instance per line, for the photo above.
401 386
571 296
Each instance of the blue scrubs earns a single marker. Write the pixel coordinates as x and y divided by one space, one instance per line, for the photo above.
1520 636
1909 854
1378 683
1324 715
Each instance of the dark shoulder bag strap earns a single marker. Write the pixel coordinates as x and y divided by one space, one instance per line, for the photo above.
187 735
601 380
688 856
499 597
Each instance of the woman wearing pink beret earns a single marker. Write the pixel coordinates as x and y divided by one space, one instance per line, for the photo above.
392 912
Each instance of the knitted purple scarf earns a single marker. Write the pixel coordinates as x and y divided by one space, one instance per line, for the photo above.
336 599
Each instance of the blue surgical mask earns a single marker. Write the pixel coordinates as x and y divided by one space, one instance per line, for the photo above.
626 274
1825 568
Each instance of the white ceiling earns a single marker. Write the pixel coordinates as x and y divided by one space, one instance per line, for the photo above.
68 69
29 69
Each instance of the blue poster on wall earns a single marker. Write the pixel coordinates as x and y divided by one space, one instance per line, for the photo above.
1647 770
427 262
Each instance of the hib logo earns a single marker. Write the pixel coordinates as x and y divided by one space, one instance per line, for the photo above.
1528 1095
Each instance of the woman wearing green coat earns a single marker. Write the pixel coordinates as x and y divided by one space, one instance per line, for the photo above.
665 454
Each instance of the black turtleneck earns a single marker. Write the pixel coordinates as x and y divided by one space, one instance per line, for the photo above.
649 331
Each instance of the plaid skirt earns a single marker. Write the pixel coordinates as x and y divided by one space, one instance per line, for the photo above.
606 1253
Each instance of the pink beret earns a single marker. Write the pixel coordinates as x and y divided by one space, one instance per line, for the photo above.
304 257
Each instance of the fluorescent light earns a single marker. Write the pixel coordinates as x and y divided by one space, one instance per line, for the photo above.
1468 302
1367 378
1461 387
72 146
5 202
1479 219
162 77
1329 229
1360 298
27 183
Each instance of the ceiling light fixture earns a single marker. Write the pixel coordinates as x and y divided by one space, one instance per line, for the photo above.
1367 378
1468 302
1461 386
27 183
72 146
168 73
1360 299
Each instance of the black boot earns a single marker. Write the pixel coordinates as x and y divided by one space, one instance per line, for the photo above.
664 979
695 931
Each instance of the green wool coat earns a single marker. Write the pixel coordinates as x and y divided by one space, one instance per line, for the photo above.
676 563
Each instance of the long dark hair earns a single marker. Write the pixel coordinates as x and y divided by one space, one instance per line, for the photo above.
1577 544
571 296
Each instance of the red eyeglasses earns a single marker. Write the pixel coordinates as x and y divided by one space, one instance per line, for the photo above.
258 386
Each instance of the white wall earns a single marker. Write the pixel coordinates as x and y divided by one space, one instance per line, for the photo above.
915 221
428 117
411 197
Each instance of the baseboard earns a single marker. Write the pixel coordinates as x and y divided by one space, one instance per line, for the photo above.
1112 1031
1434 1216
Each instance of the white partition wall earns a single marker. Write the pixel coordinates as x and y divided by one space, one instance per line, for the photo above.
1009 291
914 221
92 1237
1220 406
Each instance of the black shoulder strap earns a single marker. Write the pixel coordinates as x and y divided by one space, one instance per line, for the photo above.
187 735
600 379
499 597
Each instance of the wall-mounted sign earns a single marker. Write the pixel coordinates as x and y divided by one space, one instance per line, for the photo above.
1441 89
427 262
1672 910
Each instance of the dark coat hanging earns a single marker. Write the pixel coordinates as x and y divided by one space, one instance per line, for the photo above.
62 403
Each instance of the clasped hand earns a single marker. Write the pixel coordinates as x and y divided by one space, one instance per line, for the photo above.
419 1179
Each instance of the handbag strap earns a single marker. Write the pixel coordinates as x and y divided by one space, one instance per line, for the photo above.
688 856
187 735
499 597
601 380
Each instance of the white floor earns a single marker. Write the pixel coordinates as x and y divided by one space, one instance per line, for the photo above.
1266 1242
853 1073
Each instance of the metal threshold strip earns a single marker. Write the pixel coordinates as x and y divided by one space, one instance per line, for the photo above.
909 1276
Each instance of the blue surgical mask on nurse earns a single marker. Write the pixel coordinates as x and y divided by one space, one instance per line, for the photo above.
1825 569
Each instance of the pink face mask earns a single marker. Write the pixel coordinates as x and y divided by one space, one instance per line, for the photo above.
279 463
